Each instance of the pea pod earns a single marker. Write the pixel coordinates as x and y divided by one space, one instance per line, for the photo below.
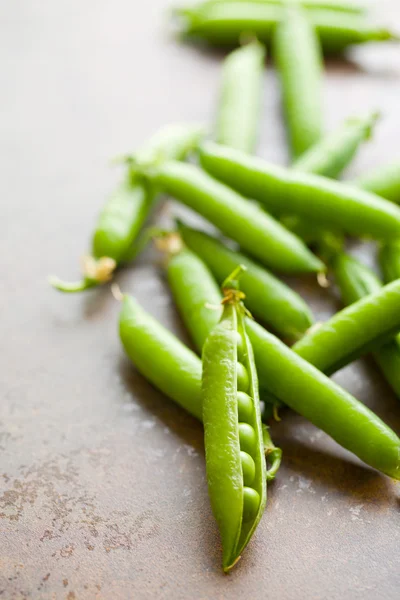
268 298
125 212
336 150
289 379
309 392
354 331
389 259
383 181
233 442
172 368
356 281
330 203
240 97
223 24
258 233
298 58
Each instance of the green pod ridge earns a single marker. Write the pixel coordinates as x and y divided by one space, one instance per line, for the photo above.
389 260
298 57
383 181
128 207
236 506
223 24
257 232
354 331
330 203
240 97
160 357
309 392
267 298
335 151
356 281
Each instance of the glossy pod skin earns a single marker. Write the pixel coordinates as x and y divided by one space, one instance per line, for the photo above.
267 298
224 23
235 461
258 233
383 181
298 59
127 209
331 155
333 204
389 260
354 331
240 97
356 281
309 392
200 313
160 357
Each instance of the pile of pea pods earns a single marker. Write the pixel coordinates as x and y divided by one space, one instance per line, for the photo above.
271 221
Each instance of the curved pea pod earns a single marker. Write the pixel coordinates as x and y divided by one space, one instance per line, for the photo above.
258 233
298 58
334 152
333 204
163 359
267 297
354 331
383 181
223 24
235 459
356 281
240 97
125 212
310 393
389 260
200 312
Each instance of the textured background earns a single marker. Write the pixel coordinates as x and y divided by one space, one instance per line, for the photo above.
102 485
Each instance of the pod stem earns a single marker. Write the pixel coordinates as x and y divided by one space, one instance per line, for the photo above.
71 287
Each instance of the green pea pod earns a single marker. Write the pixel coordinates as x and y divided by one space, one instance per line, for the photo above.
258 233
333 204
174 369
339 5
268 298
240 97
335 151
233 442
354 331
200 313
125 212
383 181
307 391
356 281
389 259
224 23
298 58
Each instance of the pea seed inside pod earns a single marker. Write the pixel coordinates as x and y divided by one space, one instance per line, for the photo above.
248 468
245 407
251 503
240 347
247 438
243 382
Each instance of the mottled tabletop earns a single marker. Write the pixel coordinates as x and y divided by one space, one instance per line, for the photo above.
102 481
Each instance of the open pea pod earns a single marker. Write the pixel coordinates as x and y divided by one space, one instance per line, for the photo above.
235 460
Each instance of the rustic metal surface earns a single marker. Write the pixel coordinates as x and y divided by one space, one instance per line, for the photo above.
103 493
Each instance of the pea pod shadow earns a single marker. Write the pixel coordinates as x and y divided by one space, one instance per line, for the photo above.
310 456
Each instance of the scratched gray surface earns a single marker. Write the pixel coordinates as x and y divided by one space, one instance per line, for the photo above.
103 493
